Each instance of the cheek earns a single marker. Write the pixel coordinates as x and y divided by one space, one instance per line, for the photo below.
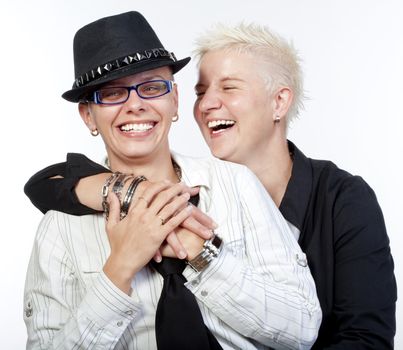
197 115
236 105
196 111
105 115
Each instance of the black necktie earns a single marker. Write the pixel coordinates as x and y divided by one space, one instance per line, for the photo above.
179 323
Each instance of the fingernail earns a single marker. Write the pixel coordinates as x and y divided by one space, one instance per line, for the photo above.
182 254
214 224
186 195
158 259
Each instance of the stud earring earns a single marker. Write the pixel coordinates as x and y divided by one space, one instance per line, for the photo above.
95 132
276 119
175 118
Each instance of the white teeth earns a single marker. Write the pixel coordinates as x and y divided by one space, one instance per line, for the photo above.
137 127
215 123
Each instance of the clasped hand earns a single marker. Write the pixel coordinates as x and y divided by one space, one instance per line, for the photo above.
159 214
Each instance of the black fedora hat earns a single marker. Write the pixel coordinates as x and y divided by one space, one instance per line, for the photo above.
114 47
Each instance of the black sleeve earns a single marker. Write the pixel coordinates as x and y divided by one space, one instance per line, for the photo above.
365 287
48 193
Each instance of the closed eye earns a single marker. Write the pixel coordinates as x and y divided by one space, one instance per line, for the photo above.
229 88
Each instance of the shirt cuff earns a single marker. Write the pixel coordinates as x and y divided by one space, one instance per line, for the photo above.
108 306
215 277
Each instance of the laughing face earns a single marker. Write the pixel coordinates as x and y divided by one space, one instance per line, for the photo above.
138 128
233 109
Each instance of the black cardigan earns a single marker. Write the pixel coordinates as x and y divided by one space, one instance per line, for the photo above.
342 232
344 237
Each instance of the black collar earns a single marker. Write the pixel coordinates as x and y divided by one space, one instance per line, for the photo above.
296 198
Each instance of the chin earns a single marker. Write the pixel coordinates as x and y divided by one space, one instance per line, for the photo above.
221 154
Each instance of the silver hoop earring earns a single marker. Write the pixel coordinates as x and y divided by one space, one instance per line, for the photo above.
276 119
175 118
95 132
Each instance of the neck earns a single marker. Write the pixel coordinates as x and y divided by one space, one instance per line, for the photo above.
273 168
154 168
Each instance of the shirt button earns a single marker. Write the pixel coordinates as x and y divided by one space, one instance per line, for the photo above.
28 310
204 293
119 324
301 260
195 283
129 312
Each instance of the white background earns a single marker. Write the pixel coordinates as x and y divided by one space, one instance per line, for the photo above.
353 57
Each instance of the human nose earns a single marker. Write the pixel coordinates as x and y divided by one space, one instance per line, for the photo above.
208 101
134 101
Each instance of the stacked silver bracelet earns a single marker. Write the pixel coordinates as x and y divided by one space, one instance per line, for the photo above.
119 180
105 191
129 195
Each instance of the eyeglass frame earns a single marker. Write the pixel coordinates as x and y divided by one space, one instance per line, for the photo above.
95 98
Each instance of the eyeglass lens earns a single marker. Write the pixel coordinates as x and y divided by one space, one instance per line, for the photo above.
148 89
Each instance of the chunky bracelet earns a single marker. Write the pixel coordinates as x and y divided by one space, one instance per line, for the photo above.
129 195
119 184
104 192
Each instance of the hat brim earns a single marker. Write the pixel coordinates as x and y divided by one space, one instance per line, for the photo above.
77 94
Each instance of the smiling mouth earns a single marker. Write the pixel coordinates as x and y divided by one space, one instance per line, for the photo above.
217 126
137 127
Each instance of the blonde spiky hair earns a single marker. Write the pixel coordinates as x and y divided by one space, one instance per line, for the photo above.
281 60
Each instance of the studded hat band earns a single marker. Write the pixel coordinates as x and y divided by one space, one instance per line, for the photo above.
108 67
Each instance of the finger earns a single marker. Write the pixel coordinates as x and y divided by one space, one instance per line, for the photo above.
157 256
176 245
191 190
197 228
203 218
177 204
173 222
114 210
194 190
167 195
146 192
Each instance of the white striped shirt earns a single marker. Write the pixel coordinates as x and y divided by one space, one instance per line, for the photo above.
257 294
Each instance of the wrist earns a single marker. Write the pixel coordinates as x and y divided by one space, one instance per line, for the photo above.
210 250
87 190
120 275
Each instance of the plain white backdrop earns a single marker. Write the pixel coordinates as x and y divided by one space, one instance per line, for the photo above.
352 53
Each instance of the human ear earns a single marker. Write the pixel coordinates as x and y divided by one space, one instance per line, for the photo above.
282 100
85 113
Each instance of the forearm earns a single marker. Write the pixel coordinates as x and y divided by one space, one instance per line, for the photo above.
260 283
62 312
88 190
96 323
53 188
281 314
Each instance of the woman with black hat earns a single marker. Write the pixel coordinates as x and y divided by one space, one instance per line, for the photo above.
90 283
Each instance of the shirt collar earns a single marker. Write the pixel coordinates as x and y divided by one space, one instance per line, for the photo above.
193 170
296 198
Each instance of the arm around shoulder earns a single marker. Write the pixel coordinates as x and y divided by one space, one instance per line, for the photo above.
53 188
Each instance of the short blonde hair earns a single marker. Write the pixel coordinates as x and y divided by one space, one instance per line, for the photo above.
281 58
